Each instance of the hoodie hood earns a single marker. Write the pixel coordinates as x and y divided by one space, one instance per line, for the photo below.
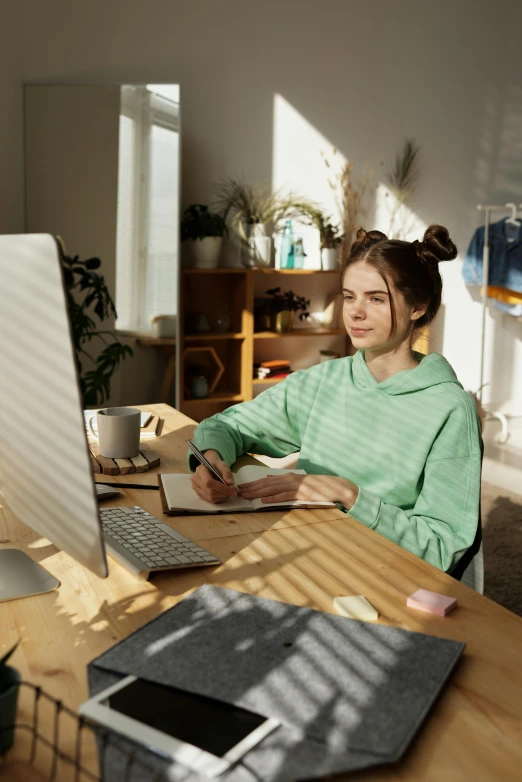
433 370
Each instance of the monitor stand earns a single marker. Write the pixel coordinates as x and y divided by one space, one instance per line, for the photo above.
21 577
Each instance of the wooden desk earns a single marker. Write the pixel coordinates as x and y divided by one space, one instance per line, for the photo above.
474 731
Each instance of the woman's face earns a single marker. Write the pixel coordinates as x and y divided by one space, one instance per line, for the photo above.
367 313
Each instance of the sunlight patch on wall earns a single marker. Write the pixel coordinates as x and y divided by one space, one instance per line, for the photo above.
298 165
394 219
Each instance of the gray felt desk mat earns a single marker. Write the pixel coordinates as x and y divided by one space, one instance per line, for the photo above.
348 694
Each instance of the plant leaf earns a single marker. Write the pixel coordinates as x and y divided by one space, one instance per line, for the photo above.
8 654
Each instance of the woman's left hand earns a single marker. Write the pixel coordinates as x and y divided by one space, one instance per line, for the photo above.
296 486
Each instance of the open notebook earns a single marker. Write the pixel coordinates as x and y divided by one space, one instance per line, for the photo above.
178 496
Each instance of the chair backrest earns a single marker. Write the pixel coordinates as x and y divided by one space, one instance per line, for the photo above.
473 576
470 567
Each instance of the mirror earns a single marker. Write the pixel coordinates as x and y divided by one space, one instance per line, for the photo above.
102 172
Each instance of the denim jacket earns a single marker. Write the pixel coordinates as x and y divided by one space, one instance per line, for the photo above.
505 257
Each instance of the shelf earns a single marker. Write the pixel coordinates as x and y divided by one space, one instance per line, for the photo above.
220 396
257 381
233 290
301 333
270 270
264 270
156 341
212 335
219 270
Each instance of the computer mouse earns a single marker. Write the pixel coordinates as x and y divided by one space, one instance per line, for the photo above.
104 492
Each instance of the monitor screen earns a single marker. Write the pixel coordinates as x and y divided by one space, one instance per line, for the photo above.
45 472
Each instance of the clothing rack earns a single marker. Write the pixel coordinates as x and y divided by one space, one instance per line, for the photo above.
488 209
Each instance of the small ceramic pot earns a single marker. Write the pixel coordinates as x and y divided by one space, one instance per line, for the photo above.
206 252
199 387
283 321
329 258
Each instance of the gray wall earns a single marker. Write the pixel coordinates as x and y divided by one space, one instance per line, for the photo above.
71 156
364 74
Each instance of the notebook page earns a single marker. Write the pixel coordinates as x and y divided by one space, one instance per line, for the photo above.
181 496
253 472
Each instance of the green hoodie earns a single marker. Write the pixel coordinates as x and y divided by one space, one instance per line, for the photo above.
410 443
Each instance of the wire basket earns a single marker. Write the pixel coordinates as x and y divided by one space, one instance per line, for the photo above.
57 744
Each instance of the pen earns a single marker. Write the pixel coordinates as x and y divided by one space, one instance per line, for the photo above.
128 485
199 456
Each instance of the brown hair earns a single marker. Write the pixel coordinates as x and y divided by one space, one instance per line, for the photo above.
413 267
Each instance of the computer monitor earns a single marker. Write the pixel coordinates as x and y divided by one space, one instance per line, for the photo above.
45 473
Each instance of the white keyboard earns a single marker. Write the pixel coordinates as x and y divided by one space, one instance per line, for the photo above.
143 543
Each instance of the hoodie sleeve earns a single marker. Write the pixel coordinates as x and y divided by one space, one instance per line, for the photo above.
442 524
272 424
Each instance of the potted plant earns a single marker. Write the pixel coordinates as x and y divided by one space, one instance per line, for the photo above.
82 279
283 306
330 239
249 210
9 685
204 230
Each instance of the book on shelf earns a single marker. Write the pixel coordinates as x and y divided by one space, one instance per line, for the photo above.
262 372
276 363
178 498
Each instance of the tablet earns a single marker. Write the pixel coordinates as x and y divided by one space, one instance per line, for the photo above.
201 733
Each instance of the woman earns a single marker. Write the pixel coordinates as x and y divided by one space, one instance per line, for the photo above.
388 433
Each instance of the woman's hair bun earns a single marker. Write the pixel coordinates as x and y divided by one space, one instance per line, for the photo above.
436 245
366 239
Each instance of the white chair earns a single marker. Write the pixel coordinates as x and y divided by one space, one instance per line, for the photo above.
473 576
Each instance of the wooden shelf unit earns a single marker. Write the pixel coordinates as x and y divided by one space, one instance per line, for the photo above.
266 381
212 292
297 332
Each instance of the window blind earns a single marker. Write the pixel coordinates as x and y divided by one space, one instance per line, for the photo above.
147 240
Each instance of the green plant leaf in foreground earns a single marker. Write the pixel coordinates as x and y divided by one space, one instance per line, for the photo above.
4 659
89 301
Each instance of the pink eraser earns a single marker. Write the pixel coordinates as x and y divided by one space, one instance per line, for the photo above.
432 602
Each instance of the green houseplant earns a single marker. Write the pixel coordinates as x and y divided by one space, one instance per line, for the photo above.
9 685
330 238
205 231
248 210
283 305
88 300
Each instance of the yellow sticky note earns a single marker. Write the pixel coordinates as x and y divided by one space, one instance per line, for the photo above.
355 607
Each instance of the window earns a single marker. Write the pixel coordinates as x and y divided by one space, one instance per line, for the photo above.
147 240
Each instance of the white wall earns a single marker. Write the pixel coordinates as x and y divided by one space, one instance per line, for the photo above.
71 140
71 166
362 74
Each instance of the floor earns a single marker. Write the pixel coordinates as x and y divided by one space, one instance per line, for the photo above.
502 465
502 540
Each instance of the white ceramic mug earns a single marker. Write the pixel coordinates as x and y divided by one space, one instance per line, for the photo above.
118 432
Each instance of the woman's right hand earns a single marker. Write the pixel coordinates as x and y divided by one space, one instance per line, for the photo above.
209 488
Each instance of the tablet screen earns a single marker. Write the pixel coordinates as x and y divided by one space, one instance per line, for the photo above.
204 722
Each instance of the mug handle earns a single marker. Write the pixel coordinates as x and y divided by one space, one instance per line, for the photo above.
94 434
